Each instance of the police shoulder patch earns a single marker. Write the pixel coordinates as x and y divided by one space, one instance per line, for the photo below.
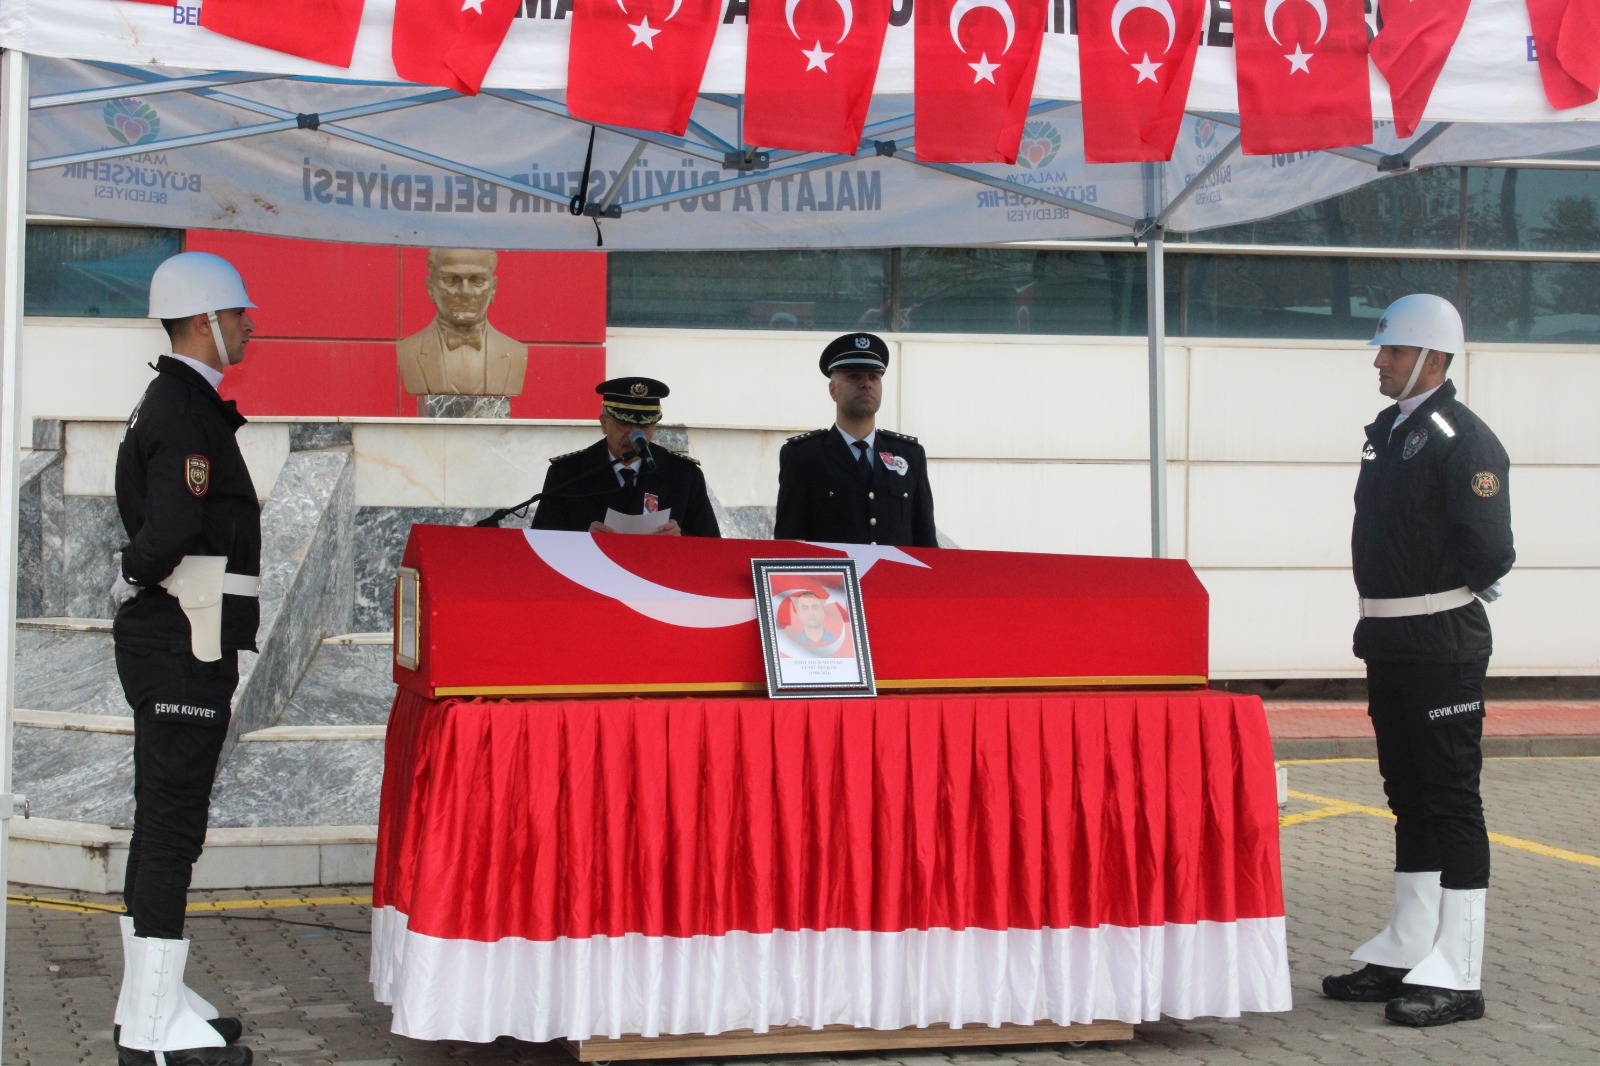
197 474
1486 483
898 436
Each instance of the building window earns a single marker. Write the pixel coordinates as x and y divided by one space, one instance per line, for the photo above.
834 289
80 271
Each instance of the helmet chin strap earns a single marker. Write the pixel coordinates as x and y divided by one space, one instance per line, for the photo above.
222 347
1411 382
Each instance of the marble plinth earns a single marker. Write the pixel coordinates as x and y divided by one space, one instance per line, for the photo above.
748 523
73 775
304 783
313 436
467 406
41 587
93 532
380 540
67 670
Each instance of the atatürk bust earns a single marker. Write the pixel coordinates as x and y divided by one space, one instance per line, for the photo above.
460 353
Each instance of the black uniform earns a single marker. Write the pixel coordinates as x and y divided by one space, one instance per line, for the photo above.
824 496
583 484
182 489
1433 513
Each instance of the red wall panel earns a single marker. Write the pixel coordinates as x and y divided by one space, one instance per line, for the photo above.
560 382
316 379
313 288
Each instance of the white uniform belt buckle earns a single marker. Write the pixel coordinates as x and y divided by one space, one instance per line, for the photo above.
1409 606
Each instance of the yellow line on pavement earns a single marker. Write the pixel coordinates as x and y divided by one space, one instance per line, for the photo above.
56 904
1331 807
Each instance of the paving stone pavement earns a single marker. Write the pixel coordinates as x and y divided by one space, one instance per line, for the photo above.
297 973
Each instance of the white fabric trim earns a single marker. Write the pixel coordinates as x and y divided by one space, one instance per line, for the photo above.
211 374
607 986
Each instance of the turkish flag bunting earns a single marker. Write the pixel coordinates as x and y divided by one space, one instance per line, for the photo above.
449 42
809 69
1566 34
1136 58
321 30
975 65
158 3
638 63
1410 50
1302 74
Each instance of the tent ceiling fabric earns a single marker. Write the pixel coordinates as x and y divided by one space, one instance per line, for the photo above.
120 131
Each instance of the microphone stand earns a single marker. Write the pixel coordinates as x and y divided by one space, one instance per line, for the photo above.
494 518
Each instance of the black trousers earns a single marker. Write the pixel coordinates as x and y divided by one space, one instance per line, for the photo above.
1428 719
180 719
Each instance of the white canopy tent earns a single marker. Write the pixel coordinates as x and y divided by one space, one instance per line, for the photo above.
116 111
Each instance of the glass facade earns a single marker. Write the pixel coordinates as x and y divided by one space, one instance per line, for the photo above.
82 271
1449 223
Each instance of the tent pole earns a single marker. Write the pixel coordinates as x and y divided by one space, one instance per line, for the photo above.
1156 333
13 220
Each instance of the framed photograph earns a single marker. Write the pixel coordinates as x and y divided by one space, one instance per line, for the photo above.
407 593
813 631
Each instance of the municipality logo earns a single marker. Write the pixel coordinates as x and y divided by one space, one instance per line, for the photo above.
1205 131
1041 142
131 120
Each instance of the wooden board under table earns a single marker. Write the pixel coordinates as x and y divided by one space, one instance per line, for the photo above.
791 1039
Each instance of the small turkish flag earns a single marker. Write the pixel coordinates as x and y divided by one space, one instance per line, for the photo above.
1136 59
1566 34
809 69
975 65
638 63
1302 74
449 42
321 30
158 3
1410 50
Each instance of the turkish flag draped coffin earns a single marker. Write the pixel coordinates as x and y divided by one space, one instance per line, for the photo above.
569 869
508 611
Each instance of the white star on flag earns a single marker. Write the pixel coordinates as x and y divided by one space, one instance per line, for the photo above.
983 70
1299 60
816 58
472 5
1147 70
643 34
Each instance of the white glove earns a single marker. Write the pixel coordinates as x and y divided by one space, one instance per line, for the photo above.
1490 594
121 590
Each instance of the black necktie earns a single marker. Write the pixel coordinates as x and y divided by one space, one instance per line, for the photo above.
866 459
627 478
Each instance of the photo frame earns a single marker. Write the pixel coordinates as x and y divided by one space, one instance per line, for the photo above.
813 628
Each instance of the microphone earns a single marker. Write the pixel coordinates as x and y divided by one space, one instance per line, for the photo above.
641 447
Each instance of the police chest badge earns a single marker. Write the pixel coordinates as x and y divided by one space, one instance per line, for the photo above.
197 474
1414 442
1486 484
652 503
894 462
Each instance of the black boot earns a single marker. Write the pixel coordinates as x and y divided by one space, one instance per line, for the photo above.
234 1055
1370 984
1424 1005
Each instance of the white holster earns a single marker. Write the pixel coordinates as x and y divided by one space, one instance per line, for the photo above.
198 583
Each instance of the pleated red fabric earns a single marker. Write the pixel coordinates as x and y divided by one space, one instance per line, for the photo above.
682 818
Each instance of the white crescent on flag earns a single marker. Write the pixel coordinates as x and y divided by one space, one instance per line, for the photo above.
1318 6
963 8
578 558
845 8
1125 8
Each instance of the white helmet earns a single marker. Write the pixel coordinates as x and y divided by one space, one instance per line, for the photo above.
1422 321
195 283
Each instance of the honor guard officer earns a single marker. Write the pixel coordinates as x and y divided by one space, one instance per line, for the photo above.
1431 541
185 600
625 472
855 483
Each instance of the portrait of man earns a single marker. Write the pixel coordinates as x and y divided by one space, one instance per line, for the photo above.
459 353
813 624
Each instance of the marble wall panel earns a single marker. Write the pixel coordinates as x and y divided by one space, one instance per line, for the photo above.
286 783
75 776
38 567
93 532
64 670
380 540
346 684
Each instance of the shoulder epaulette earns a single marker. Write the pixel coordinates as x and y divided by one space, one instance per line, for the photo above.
807 435
685 456
569 455
898 436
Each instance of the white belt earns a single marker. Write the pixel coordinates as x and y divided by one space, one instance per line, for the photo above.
241 584
1406 606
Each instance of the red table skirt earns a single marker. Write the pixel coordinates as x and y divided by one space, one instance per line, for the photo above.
570 868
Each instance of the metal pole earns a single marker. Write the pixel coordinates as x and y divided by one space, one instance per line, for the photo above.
1156 330
13 220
